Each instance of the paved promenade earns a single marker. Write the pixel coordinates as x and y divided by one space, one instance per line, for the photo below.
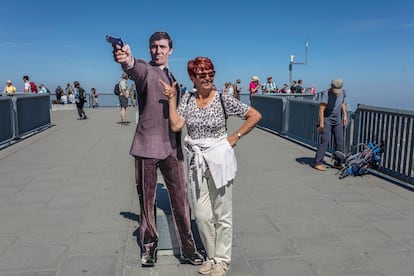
68 207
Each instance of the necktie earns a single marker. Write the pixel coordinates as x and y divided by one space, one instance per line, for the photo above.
167 72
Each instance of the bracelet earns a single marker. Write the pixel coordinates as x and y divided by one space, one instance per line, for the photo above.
239 135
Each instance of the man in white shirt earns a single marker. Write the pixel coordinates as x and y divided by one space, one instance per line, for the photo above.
269 86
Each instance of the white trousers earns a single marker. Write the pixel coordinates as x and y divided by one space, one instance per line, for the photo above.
213 212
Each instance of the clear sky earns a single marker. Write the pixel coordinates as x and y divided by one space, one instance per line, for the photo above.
369 44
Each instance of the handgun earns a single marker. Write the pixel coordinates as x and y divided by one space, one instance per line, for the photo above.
115 41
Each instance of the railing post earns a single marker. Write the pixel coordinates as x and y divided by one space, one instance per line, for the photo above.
285 116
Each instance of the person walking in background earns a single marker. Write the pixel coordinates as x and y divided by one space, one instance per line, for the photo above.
95 96
237 89
80 96
9 89
293 87
132 90
59 92
27 88
299 87
211 158
123 97
68 89
332 119
155 146
254 87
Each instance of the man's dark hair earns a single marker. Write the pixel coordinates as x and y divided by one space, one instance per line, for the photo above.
160 35
25 77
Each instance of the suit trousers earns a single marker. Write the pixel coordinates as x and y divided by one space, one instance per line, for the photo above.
172 170
338 132
213 212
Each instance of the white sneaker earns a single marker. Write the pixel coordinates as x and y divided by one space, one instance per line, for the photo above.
220 269
206 267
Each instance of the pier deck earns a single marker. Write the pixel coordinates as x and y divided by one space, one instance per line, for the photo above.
68 206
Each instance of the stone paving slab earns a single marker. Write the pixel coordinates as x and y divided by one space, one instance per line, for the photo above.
68 206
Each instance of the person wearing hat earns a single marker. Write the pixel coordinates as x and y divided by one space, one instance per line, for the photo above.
269 86
332 119
254 87
123 97
9 89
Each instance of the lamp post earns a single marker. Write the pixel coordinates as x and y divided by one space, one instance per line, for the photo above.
292 61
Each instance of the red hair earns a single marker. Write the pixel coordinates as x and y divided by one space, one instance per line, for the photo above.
199 64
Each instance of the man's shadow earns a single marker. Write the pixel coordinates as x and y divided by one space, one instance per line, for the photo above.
165 225
310 161
305 161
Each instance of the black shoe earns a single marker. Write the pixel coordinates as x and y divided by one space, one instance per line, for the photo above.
85 117
194 259
149 258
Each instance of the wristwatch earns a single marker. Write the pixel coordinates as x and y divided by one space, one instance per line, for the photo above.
239 135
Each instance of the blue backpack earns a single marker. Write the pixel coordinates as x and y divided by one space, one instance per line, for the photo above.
358 164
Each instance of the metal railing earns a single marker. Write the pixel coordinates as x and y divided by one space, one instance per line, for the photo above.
297 119
393 127
7 120
294 116
23 114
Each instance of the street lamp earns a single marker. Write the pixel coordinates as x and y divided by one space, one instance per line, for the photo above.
292 61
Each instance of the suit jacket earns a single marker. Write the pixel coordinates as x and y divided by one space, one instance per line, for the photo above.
153 136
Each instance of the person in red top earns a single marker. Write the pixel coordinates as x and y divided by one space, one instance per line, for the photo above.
254 87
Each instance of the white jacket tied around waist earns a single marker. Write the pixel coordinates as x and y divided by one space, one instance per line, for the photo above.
217 153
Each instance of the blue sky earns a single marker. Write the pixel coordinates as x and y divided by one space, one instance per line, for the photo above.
366 43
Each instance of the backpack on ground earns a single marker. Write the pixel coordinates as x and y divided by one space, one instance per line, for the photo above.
117 91
33 87
357 164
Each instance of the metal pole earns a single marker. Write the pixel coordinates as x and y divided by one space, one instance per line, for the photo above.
306 54
292 61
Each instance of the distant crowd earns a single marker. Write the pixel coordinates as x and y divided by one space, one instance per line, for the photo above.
268 87
63 96
68 95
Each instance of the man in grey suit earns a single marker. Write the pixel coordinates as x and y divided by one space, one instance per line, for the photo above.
156 146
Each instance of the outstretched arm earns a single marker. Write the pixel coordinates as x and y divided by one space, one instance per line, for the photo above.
123 56
176 122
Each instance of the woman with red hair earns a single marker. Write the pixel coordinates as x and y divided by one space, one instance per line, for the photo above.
210 157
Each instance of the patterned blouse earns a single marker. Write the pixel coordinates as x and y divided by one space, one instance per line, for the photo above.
209 121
